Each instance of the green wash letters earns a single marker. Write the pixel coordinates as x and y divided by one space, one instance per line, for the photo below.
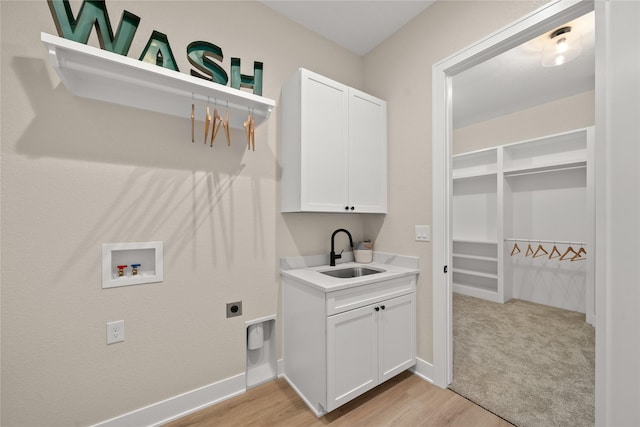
93 13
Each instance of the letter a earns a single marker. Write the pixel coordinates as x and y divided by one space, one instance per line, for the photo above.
157 51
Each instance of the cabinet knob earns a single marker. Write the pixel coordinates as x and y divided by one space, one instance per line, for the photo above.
377 308
382 307
352 208
346 208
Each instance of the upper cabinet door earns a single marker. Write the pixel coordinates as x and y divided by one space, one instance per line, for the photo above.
333 147
324 171
367 153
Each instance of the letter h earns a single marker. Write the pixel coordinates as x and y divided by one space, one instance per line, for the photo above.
238 79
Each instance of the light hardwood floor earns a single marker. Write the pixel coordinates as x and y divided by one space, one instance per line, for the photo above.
405 400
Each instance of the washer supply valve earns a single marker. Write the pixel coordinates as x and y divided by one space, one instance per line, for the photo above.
134 269
121 270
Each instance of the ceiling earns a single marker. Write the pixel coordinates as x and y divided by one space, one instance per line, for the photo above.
357 25
510 82
516 80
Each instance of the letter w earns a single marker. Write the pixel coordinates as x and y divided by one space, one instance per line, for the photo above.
94 12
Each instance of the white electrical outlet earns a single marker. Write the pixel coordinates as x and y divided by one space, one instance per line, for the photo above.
423 233
115 332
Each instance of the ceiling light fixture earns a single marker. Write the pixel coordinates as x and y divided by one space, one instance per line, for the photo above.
563 46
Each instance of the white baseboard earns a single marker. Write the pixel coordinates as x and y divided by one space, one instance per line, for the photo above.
315 411
423 369
186 403
280 367
178 406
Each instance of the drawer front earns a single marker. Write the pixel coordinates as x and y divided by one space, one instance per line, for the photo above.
349 299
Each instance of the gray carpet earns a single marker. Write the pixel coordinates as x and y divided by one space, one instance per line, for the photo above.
531 364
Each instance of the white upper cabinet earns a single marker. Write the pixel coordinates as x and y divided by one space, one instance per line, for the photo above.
334 147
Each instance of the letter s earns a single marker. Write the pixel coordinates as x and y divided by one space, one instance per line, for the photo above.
199 54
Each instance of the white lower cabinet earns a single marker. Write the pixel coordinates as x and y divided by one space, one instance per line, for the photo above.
370 338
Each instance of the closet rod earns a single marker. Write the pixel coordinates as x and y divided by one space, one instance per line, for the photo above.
559 242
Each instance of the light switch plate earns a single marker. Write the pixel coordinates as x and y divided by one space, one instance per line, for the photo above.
423 233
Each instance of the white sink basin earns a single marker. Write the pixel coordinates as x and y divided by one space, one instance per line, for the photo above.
351 272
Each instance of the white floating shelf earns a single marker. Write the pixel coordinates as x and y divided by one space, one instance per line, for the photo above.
98 74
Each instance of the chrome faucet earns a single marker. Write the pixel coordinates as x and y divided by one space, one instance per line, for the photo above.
332 256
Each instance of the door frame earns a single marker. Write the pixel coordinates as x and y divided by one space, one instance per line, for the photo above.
538 22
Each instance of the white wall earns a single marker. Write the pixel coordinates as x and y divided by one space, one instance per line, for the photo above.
558 116
78 173
618 214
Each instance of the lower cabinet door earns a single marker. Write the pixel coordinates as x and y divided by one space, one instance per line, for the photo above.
396 335
352 355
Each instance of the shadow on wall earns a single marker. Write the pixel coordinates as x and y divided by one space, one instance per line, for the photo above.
373 225
196 198
311 232
172 180
70 127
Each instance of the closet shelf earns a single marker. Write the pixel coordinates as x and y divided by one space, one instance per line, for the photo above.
480 242
475 273
98 74
457 175
475 257
547 167
475 164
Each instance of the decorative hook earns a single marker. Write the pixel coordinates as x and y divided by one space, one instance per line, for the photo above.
207 119
247 129
193 124
225 125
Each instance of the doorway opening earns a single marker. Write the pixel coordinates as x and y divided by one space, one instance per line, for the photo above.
542 21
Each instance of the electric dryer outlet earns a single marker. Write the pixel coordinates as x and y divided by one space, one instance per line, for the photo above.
234 309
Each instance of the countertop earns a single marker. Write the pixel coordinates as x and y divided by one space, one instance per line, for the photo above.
395 266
